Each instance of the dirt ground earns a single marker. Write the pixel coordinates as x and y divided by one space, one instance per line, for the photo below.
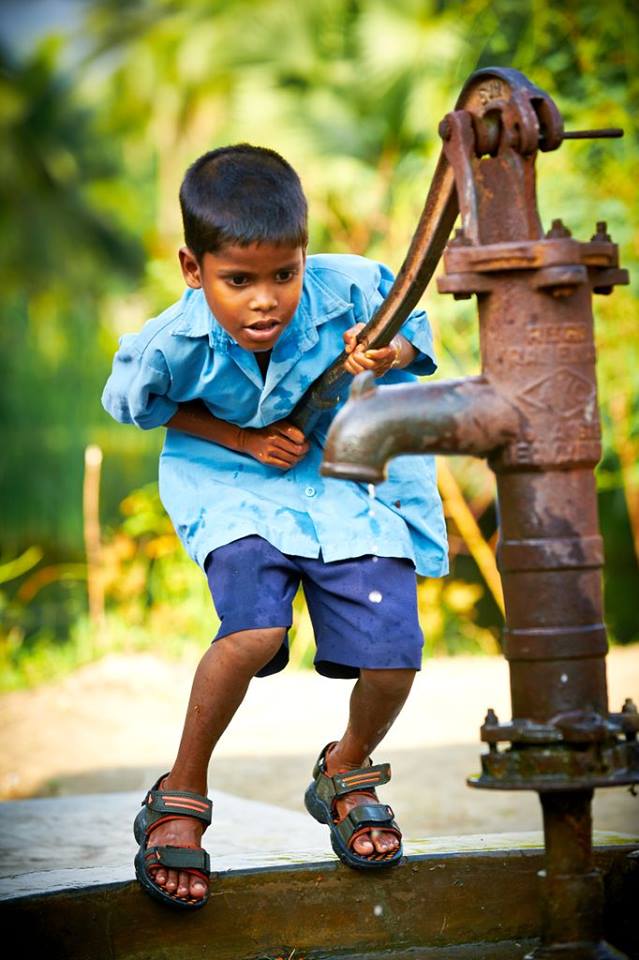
115 725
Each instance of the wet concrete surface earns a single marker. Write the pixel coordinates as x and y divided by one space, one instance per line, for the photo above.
62 843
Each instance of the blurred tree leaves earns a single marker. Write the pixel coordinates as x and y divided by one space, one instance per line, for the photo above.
52 229
61 253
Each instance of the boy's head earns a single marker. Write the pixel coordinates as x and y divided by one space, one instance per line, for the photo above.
240 195
245 229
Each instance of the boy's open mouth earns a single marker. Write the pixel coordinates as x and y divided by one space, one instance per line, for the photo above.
262 329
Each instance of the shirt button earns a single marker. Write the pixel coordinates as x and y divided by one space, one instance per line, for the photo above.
310 491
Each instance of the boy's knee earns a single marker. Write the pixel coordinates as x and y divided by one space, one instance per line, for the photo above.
254 648
388 681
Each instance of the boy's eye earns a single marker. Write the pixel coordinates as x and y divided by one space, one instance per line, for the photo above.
283 276
237 280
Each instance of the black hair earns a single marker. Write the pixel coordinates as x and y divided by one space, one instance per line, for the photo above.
241 195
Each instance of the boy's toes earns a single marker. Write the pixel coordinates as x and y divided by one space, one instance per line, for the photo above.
182 883
184 886
384 842
190 886
375 842
198 888
363 846
160 877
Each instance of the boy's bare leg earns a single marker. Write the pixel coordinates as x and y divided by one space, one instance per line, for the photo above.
376 701
220 683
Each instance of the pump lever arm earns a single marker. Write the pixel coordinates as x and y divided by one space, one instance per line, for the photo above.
434 227
484 91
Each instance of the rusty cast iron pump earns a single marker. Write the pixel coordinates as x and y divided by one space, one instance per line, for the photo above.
533 413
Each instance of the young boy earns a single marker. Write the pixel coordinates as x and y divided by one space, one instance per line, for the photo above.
221 369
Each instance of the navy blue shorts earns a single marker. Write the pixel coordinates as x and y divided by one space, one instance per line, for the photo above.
363 611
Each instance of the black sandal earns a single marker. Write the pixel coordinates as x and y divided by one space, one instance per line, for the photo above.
320 798
163 805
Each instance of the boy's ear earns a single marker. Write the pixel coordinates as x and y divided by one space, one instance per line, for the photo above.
190 268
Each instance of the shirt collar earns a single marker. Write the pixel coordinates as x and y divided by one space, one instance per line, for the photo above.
196 319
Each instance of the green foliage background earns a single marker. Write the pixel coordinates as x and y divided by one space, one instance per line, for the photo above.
99 122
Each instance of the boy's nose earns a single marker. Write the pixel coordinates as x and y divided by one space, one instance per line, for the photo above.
263 299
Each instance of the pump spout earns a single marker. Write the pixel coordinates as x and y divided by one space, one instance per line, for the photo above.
450 416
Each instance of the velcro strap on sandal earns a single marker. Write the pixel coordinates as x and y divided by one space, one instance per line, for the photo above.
178 858
366 778
179 803
375 815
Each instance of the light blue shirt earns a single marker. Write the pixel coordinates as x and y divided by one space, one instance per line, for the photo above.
215 495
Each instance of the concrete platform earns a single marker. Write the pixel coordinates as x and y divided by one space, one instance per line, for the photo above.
69 843
67 886
86 748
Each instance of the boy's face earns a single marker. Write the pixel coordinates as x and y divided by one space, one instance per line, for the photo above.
252 291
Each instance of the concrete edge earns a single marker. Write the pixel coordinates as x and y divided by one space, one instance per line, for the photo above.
321 909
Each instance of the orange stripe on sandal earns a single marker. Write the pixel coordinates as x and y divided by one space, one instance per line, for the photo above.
362 778
170 798
186 805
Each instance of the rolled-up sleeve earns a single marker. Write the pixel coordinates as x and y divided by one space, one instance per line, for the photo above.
416 327
136 392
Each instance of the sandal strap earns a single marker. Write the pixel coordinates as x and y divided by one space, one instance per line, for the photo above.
177 803
320 763
178 858
379 816
365 778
